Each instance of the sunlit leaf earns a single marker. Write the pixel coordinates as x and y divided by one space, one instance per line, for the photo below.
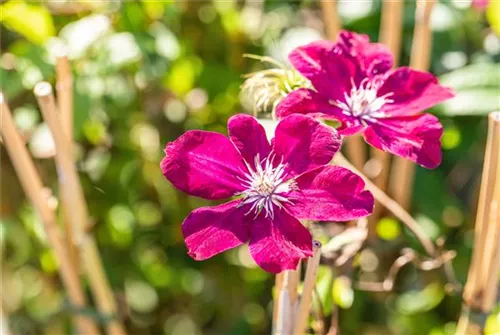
33 21
493 15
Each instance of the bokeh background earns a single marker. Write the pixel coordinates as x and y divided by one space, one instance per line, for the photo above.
145 72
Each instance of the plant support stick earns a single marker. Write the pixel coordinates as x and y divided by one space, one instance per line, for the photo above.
33 187
68 178
64 88
390 34
403 171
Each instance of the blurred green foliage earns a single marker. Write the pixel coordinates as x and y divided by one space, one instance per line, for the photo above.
146 71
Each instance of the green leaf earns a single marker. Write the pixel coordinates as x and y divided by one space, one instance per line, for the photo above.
477 101
473 76
477 89
32 21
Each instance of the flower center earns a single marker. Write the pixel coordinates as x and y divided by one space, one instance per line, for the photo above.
363 101
266 186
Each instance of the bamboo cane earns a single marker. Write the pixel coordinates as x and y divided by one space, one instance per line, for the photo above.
64 88
486 230
33 187
492 250
404 170
284 322
307 291
390 35
68 179
331 18
354 144
481 289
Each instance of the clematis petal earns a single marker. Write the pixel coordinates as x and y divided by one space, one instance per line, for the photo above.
306 101
412 92
375 58
211 230
304 143
331 72
204 164
330 193
278 245
416 138
248 136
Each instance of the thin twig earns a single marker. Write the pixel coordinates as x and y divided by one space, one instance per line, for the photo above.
306 296
68 179
33 187
403 169
393 207
407 256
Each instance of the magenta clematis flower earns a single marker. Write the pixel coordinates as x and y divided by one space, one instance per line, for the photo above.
274 184
354 84
480 4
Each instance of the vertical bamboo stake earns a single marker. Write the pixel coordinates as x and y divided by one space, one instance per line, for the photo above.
307 291
492 250
485 229
481 288
68 179
33 187
403 169
64 89
278 284
4 322
390 35
284 322
331 19
354 144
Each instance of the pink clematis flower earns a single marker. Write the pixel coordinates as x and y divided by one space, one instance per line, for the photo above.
480 5
275 185
354 84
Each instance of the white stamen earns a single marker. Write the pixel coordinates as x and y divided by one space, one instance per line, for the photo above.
363 101
266 186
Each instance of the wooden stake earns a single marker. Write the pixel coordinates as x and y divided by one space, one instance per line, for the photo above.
64 89
487 229
492 249
302 316
278 284
69 180
284 324
331 18
355 146
33 187
403 170
390 34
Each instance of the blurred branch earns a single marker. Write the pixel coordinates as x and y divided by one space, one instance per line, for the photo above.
407 256
393 207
